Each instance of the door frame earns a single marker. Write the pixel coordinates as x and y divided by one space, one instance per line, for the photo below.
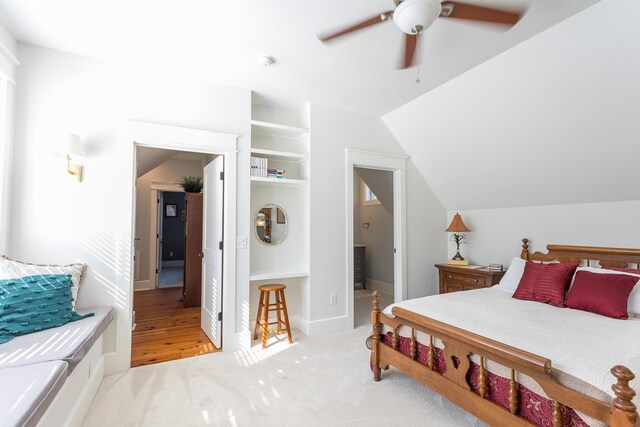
142 134
156 188
397 165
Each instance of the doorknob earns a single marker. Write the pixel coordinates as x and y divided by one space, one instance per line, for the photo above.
201 255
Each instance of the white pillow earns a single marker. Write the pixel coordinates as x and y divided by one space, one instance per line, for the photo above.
13 269
633 305
510 280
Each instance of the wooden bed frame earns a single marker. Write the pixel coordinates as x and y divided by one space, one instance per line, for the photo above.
453 385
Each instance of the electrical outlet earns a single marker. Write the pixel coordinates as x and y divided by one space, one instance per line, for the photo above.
170 253
241 242
333 299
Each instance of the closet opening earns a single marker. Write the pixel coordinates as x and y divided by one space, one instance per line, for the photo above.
177 303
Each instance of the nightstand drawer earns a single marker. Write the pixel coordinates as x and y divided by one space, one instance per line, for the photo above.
464 279
454 279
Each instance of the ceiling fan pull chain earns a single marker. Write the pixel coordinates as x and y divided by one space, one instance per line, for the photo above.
418 57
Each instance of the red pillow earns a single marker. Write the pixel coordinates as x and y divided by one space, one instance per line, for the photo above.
626 270
606 294
546 283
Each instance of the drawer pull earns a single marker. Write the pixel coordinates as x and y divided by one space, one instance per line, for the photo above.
450 277
476 280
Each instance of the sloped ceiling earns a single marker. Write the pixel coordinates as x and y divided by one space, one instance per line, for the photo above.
554 120
381 184
219 42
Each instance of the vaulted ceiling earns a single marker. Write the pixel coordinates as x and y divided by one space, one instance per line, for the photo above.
554 120
219 42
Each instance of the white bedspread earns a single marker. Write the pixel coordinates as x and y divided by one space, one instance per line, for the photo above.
581 344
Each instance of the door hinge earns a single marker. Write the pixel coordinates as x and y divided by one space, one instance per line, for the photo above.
221 175
220 245
220 317
157 236
156 271
158 201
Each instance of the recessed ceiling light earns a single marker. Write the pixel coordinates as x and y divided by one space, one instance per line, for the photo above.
266 60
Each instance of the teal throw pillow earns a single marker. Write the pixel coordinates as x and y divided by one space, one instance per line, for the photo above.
33 303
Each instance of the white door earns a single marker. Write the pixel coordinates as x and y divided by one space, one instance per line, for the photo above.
211 320
159 240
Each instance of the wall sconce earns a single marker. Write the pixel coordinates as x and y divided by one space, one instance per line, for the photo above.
74 149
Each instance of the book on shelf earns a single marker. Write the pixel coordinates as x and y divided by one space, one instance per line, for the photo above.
497 267
259 166
275 173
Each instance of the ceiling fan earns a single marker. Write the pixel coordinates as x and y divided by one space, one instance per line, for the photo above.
413 17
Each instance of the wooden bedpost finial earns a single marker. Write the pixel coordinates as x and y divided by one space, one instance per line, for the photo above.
525 249
376 301
622 407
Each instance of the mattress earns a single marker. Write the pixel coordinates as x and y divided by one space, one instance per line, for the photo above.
580 345
32 389
69 342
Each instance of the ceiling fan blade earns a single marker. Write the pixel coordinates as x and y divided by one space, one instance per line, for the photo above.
454 9
410 42
378 19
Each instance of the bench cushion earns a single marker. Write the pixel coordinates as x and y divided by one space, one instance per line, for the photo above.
69 342
27 392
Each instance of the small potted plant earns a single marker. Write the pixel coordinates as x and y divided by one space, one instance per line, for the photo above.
191 184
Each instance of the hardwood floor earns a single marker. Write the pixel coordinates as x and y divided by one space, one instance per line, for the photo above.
165 329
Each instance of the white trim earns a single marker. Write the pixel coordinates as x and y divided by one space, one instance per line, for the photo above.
142 285
142 134
397 164
377 285
153 241
331 324
165 186
5 50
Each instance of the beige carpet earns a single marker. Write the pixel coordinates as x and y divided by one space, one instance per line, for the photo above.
322 381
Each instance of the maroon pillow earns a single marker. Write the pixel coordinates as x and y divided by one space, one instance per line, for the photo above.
546 283
626 270
600 293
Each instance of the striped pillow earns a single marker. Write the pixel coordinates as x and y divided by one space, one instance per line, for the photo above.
547 283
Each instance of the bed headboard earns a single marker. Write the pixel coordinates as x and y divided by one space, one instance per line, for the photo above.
585 255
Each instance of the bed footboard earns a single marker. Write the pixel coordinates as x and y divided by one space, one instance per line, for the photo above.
453 383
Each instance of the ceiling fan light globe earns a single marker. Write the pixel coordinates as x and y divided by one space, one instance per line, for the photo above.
414 16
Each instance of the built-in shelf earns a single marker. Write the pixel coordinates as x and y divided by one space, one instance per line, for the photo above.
276 129
275 276
285 182
284 156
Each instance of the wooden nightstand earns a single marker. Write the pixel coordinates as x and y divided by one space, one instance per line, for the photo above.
454 278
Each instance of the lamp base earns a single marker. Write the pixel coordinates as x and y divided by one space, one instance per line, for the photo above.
458 262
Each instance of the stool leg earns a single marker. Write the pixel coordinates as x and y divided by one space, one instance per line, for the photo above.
260 306
278 311
286 315
265 320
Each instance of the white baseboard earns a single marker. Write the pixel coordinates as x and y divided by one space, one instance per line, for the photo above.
142 285
329 326
296 322
377 285
173 263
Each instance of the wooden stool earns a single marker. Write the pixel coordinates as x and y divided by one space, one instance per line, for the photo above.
262 319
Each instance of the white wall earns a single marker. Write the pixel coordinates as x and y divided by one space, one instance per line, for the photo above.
56 219
8 67
170 171
332 131
497 234
553 120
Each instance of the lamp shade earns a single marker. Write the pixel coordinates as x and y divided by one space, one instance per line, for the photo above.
457 225
74 145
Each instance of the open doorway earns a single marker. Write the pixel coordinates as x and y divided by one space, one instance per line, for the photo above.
178 287
373 251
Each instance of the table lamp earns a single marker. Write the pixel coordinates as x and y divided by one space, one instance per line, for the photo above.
457 227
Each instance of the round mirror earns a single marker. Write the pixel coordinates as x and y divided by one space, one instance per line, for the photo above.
271 224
